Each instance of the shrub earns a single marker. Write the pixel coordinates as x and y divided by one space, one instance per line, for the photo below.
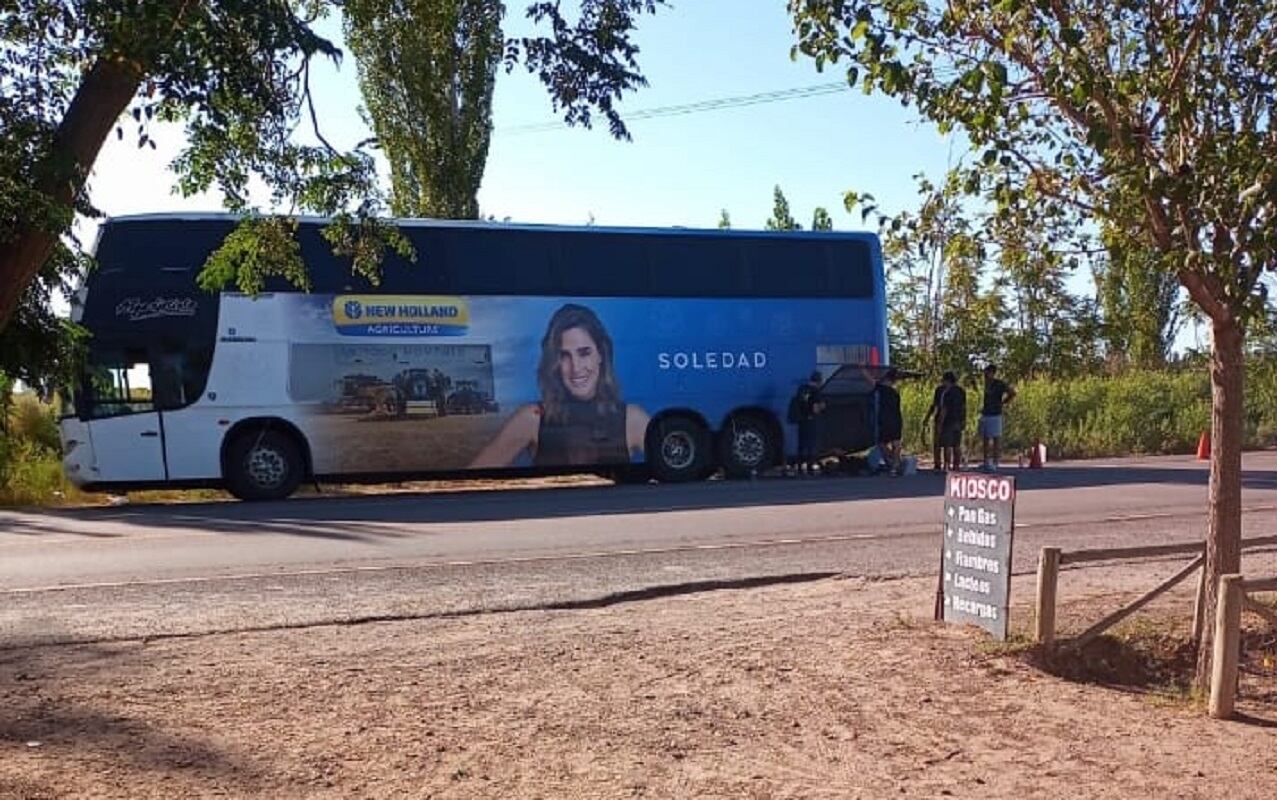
30 474
33 421
31 454
1134 413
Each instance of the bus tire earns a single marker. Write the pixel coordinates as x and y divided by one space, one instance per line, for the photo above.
747 445
263 464
678 450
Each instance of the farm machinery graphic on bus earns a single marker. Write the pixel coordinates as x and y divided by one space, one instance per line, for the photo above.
427 392
394 381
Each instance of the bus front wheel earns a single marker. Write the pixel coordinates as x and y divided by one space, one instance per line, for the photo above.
678 449
263 465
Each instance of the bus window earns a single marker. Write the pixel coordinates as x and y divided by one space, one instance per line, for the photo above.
178 375
603 265
118 383
692 267
797 268
850 272
515 262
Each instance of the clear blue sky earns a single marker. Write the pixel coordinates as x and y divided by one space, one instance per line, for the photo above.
677 171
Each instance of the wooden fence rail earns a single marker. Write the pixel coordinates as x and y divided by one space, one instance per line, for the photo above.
1052 558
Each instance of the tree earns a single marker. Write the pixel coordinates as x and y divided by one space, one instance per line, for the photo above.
1155 119
781 219
724 220
1139 300
237 73
918 247
427 69
38 347
820 220
1051 331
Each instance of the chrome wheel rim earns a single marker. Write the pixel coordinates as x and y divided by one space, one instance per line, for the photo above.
267 467
678 450
748 446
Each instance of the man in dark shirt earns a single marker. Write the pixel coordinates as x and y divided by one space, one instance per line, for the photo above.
808 407
949 406
934 415
996 395
890 420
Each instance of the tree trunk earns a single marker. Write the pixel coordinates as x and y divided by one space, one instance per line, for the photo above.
1223 538
103 96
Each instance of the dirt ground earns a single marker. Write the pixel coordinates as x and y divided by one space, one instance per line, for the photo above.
835 688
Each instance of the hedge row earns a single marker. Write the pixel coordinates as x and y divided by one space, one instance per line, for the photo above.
1136 413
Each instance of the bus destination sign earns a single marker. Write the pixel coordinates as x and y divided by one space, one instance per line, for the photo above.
975 565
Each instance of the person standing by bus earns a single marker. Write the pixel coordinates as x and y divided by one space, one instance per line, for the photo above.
953 422
933 417
805 409
997 395
890 420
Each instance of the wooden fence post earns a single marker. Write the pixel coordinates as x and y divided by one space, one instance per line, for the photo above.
1228 617
1048 579
1199 606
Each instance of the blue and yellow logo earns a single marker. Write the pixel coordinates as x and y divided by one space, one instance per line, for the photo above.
400 315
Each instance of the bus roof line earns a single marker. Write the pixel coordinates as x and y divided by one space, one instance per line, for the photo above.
189 216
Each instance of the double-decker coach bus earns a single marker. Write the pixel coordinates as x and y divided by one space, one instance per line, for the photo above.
503 347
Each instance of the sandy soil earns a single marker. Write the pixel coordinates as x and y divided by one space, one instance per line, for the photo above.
837 688
355 443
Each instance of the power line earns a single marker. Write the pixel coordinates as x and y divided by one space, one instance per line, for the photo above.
701 106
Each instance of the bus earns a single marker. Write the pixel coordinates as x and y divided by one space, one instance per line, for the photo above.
500 348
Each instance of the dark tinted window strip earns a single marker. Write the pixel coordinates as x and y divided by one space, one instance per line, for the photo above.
490 261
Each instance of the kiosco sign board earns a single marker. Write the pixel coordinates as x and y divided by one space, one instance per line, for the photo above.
975 563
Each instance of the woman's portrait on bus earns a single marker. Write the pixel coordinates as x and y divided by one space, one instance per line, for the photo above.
581 417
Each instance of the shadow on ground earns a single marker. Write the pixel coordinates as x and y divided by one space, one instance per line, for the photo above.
357 518
71 703
1152 661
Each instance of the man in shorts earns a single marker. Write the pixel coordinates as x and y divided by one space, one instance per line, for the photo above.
997 395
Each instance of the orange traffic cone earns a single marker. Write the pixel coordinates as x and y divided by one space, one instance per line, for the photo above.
1037 457
1203 447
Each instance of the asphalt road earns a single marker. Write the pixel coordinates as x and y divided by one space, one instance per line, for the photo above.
144 571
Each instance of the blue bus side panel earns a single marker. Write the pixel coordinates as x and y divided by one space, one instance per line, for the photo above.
423 383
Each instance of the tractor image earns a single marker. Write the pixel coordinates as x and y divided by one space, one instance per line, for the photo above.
424 390
468 399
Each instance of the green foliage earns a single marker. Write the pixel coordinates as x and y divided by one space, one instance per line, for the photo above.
1140 412
30 474
1139 300
30 452
33 421
1155 124
724 220
781 219
587 64
237 74
427 69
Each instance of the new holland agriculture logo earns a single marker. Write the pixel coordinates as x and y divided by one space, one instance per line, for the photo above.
400 315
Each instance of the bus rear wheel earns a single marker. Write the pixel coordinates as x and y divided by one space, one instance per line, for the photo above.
678 449
263 465
747 445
